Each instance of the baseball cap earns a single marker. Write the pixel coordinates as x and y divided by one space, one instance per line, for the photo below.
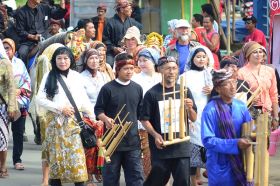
182 23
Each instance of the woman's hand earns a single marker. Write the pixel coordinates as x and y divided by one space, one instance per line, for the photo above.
68 111
207 90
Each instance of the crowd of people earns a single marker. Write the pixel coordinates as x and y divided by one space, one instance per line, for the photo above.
105 64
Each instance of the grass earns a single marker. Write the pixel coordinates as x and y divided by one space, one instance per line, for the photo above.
23 2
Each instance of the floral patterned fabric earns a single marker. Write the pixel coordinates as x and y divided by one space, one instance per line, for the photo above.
65 153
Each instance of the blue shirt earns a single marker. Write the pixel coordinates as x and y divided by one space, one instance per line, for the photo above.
183 51
218 164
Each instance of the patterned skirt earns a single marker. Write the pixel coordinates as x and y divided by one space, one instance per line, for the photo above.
146 154
4 132
196 154
64 150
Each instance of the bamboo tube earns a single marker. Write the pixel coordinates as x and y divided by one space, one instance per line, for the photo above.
257 155
169 93
257 92
170 129
174 111
109 135
182 126
243 135
175 141
249 155
112 147
164 113
241 85
265 157
228 26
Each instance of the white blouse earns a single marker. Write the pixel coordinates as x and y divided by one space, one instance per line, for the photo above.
146 82
74 82
94 84
195 81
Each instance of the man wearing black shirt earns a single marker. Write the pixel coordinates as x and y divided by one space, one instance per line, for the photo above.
116 28
111 99
175 158
32 22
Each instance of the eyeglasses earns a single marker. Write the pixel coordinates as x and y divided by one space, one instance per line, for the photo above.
166 59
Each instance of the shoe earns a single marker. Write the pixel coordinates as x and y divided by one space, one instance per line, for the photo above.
37 141
205 174
25 139
19 166
4 173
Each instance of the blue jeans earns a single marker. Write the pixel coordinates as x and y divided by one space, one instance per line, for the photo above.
132 166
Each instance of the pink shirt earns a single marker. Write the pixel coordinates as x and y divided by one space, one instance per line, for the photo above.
266 79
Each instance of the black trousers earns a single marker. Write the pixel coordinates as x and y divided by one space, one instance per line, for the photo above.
24 50
18 128
163 168
57 182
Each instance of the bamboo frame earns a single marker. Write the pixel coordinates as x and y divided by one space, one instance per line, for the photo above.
256 163
112 138
172 136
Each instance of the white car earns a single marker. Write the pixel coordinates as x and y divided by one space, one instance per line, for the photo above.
10 3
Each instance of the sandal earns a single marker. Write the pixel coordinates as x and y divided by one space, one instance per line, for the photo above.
19 166
90 183
98 177
4 173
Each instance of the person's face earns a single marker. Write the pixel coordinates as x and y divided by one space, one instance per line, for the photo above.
227 89
36 2
9 50
249 24
127 11
207 24
101 13
131 43
102 53
200 59
126 72
145 64
170 72
194 23
63 62
256 57
183 33
54 29
93 62
233 68
90 30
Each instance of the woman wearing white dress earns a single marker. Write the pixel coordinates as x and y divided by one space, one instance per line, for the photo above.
147 78
199 80
65 153
93 78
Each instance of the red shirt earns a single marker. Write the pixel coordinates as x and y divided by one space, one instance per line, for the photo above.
258 36
198 31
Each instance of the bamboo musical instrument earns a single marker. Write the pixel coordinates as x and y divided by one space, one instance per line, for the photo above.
256 162
256 93
172 135
112 138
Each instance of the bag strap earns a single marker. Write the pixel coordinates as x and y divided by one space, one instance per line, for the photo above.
3 100
69 96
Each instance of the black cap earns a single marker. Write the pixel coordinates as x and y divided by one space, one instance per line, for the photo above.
166 59
80 25
250 18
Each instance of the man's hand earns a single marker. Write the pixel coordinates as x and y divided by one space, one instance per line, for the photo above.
158 141
68 111
188 103
109 122
243 143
